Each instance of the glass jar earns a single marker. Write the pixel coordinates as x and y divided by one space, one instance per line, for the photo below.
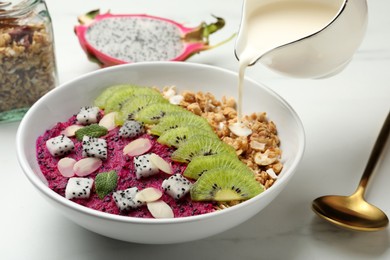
27 59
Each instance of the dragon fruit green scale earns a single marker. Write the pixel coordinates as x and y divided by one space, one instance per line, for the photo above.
110 39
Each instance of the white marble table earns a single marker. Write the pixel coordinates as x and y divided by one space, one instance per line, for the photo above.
342 116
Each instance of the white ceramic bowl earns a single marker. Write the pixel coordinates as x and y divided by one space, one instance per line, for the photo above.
62 102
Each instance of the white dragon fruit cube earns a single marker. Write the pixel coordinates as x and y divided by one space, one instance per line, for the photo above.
78 188
176 186
144 167
125 199
60 145
94 147
131 129
88 115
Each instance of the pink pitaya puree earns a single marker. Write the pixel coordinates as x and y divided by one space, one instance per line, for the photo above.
123 165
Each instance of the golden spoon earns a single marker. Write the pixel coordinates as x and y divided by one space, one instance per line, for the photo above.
353 212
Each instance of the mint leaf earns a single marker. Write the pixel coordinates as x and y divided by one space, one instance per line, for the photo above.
105 182
93 130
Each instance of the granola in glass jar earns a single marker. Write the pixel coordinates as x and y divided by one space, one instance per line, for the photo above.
27 60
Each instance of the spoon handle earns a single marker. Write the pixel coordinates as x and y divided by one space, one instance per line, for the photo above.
375 155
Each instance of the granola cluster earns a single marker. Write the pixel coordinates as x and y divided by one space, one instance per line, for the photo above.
27 65
259 151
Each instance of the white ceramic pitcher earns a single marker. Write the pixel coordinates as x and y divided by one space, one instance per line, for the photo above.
321 53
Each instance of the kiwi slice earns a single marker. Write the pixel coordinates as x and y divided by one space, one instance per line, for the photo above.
201 145
177 136
154 112
119 97
224 184
176 120
135 104
202 164
100 101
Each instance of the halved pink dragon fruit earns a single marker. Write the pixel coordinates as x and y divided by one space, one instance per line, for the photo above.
110 39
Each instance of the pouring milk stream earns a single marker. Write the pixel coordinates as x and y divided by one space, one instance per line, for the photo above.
298 38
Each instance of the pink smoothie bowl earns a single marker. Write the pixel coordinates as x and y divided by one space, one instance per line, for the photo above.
60 103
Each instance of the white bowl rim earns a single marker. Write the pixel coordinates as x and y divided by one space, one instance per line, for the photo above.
134 220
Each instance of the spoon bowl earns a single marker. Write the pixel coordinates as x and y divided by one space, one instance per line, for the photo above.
350 212
353 212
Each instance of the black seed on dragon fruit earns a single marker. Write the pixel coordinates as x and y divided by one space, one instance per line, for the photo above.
144 167
88 115
110 39
177 186
125 199
131 129
94 147
78 188
59 145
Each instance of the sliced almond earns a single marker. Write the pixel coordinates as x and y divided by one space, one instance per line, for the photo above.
169 91
271 173
65 166
255 145
160 209
71 130
221 125
160 163
263 159
137 147
148 195
176 99
240 129
108 121
86 166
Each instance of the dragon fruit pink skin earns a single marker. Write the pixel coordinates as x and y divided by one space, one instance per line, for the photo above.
193 40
